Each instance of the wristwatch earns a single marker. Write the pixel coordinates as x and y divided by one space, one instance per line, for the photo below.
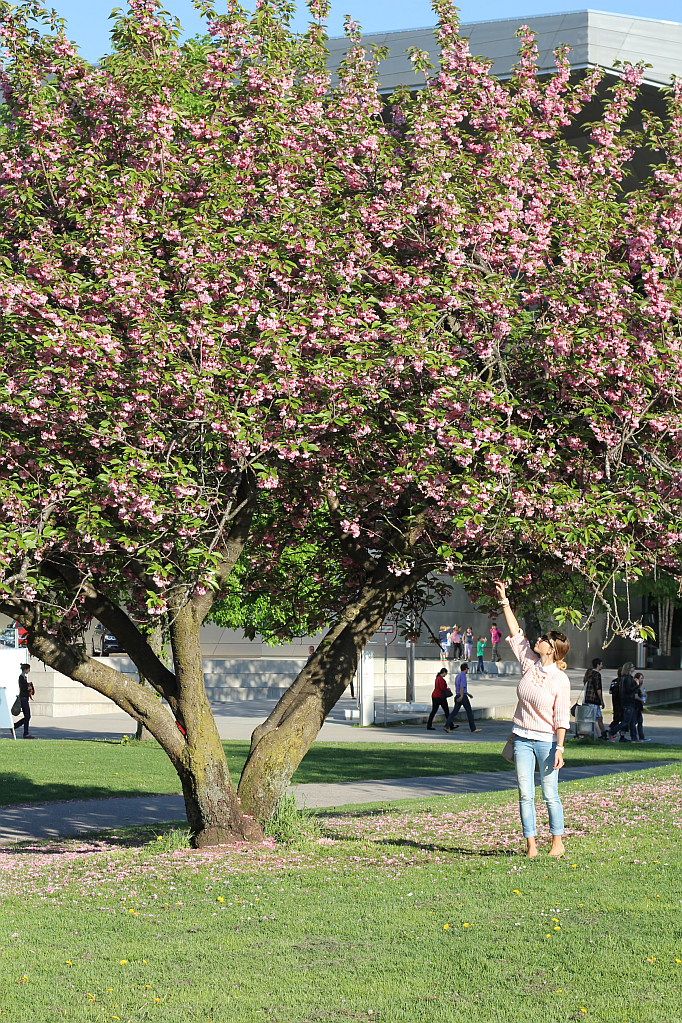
561 748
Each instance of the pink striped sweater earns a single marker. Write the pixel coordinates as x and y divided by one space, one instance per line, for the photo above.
544 696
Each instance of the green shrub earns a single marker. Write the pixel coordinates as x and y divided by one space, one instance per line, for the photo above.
289 825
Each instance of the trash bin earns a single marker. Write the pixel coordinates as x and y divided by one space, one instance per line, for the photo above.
586 721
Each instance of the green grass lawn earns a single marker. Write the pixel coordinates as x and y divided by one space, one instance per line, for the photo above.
424 911
62 769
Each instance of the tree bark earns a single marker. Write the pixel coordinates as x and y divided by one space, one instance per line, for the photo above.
211 802
281 742
665 626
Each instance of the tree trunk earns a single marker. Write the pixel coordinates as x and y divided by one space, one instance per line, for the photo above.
281 742
211 802
665 626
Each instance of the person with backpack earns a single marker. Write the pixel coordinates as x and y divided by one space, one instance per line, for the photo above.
26 692
439 699
593 695
614 693
628 693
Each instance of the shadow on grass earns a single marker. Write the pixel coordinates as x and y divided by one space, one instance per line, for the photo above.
118 838
26 791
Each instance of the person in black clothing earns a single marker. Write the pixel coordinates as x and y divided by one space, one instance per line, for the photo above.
593 693
25 694
628 693
640 700
614 693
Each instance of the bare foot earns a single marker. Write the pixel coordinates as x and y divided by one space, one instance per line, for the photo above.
557 849
532 848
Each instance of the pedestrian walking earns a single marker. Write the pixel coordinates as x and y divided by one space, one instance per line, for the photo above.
443 637
480 648
461 700
628 691
456 643
468 644
640 700
26 692
614 693
539 724
593 695
495 636
439 699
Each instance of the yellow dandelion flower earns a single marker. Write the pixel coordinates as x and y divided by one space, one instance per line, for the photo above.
123 962
220 898
555 920
159 838
466 925
582 1010
678 960
516 891
68 962
557 928
132 911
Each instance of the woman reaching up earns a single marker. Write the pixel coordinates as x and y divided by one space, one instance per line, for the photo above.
539 724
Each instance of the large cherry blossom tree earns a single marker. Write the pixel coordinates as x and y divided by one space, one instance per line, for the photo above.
248 311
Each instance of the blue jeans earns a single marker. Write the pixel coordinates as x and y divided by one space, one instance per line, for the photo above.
480 667
525 753
462 701
628 720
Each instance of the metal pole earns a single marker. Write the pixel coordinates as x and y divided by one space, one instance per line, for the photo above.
641 655
385 678
409 671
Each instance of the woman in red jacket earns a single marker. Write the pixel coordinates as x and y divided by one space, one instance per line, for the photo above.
439 698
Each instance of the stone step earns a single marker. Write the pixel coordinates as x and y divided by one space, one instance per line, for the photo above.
239 694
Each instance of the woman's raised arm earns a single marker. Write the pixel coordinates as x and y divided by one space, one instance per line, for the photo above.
509 616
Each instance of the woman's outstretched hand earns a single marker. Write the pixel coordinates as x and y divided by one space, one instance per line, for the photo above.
500 590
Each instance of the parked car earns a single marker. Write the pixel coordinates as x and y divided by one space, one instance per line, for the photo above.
105 643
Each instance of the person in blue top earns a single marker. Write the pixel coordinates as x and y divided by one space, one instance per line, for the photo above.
461 700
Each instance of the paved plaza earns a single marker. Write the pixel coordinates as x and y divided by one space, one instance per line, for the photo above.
237 720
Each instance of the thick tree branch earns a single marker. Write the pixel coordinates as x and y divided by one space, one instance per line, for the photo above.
231 545
117 621
123 690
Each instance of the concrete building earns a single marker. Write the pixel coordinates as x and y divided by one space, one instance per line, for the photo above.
595 37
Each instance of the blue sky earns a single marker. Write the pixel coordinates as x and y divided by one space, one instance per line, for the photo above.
89 24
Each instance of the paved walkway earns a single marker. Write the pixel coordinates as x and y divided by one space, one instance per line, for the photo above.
52 820
238 720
